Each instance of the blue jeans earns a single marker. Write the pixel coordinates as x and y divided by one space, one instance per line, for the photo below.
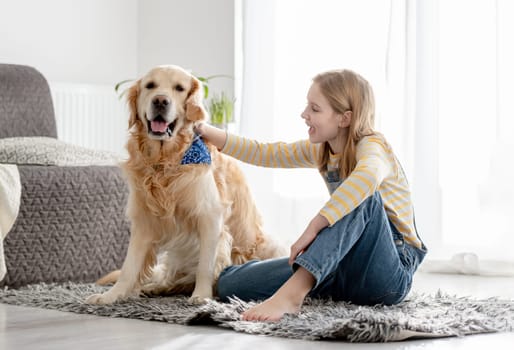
361 259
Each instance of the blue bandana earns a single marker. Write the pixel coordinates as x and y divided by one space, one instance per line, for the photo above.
198 153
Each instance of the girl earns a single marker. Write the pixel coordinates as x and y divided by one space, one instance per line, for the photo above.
362 246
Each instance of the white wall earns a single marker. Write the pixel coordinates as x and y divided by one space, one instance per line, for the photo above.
79 41
195 34
106 41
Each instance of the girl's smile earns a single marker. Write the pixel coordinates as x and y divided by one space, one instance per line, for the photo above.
310 131
323 122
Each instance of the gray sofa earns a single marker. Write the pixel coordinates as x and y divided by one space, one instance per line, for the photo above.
71 224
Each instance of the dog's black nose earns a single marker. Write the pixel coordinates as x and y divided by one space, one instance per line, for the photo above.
161 101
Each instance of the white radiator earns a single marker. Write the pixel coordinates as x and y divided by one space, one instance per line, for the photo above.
91 116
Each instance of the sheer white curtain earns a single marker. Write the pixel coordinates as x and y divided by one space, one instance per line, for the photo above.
476 113
441 75
284 44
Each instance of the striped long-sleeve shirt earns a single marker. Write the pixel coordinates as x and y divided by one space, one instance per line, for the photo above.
377 169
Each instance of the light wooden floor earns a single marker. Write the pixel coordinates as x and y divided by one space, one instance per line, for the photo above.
29 328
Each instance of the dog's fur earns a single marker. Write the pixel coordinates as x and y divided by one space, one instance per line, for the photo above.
190 221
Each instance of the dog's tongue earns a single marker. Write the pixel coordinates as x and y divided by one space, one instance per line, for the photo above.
158 126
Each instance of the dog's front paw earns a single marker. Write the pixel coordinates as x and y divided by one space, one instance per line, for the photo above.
201 295
198 299
101 299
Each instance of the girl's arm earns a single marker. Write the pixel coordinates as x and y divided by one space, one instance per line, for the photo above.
300 154
373 166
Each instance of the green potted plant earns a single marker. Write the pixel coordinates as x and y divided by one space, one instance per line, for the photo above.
221 109
220 106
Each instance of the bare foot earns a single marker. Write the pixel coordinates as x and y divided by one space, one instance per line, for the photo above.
271 309
288 299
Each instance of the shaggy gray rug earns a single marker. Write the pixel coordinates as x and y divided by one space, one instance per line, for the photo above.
421 316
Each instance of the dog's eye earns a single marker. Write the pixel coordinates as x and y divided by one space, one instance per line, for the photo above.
179 88
150 85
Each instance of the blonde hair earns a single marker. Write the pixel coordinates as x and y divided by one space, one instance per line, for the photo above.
345 91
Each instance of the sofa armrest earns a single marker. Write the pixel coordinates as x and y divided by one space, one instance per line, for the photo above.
71 225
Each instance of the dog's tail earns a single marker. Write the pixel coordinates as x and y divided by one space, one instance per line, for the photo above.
110 278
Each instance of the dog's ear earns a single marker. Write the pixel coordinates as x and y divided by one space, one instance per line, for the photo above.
132 94
195 110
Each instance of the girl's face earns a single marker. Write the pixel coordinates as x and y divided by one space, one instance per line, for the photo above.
323 122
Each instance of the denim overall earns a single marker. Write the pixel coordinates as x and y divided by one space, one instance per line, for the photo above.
362 259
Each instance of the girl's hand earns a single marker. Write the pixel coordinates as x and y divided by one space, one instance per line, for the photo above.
301 244
198 127
317 224
210 133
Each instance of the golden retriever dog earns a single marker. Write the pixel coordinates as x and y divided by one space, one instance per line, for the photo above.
190 209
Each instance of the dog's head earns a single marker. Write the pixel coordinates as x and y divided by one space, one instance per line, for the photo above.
164 101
